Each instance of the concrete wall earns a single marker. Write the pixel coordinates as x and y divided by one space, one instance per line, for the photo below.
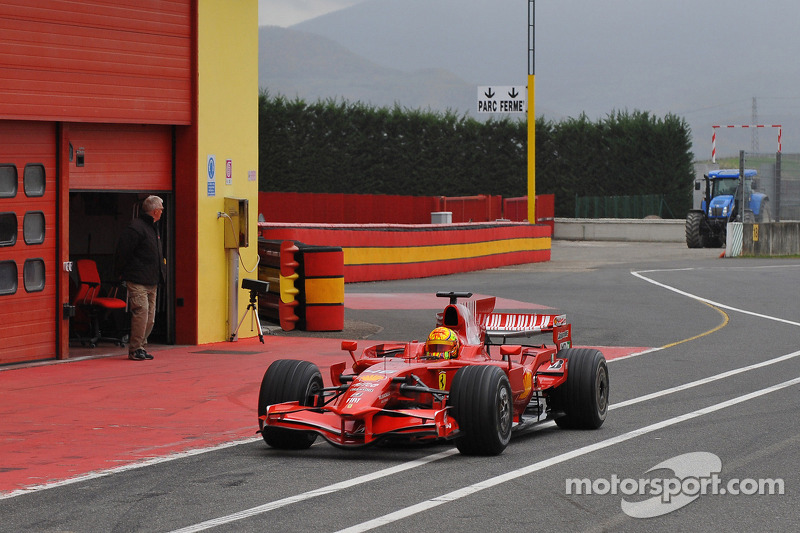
776 238
607 229
772 239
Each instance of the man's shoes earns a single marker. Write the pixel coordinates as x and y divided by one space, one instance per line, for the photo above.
146 355
138 355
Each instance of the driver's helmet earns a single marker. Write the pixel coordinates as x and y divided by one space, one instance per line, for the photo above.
442 343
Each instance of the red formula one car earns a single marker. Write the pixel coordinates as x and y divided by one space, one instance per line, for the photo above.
452 386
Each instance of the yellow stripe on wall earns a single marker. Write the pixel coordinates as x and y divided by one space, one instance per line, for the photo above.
421 254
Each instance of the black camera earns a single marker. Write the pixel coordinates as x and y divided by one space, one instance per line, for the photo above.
255 285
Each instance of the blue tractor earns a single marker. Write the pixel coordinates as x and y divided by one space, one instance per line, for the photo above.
722 203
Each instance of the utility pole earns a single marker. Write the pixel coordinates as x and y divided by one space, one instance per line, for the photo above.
754 133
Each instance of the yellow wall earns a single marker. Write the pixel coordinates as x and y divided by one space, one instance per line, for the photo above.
227 129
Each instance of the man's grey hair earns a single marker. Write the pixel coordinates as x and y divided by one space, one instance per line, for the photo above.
151 203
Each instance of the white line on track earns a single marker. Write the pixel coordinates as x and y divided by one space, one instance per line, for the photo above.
706 300
541 465
712 303
704 381
125 468
316 492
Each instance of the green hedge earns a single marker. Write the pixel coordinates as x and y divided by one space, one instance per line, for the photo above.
339 147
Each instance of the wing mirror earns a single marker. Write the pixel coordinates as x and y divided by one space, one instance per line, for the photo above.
507 350
350 346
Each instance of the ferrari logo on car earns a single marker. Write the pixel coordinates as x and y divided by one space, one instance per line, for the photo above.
442 380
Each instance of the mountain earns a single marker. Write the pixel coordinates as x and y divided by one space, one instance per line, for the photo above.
484 43
714 62
300 64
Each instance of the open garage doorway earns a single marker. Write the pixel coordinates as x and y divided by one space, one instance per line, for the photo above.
96 219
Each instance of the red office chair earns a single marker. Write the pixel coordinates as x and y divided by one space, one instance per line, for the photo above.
97 306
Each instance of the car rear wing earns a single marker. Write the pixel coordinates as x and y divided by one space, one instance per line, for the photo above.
502 326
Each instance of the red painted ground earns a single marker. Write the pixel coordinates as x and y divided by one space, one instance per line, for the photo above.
60 421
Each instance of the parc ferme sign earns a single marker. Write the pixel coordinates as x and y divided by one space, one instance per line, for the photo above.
502 99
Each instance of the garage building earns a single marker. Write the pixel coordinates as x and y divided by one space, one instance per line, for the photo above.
103 102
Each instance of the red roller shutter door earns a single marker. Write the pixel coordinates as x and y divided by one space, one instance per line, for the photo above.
121 157
28 270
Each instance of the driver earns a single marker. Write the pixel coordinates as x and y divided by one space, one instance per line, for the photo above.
442 343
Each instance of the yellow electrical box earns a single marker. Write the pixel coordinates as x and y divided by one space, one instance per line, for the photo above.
236 228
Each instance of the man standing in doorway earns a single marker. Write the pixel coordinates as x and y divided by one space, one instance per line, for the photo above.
139 262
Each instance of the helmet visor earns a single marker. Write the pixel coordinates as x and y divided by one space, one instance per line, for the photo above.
439 347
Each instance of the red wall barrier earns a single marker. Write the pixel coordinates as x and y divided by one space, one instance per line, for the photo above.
376 252
479 208
516 209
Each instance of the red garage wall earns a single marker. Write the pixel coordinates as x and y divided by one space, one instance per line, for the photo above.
96 61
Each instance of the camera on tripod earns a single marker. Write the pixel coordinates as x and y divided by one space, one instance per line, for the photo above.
255 285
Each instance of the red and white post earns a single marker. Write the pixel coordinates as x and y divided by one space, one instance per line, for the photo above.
714 135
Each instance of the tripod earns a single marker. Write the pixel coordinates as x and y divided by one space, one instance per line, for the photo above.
251 308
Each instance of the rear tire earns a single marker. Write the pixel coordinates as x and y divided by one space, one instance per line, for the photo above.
288 380
483 407
583 398
764 213
694 231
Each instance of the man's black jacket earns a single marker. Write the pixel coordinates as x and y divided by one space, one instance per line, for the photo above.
139 257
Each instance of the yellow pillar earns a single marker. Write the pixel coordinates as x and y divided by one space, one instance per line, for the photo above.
531 150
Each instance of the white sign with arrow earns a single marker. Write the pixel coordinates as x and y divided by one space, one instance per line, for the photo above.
502 99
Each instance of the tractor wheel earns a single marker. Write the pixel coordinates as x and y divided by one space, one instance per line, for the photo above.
749 217
583 398
720 238
482 405
764 213
694 230
288 380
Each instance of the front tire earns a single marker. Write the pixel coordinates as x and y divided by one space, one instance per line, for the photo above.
583 398
288 380
482 405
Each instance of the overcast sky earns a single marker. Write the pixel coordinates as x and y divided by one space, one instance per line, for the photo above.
287 12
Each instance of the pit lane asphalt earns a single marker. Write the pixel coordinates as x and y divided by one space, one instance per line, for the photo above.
607 306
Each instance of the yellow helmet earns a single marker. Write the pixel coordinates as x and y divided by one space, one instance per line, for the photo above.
442 343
